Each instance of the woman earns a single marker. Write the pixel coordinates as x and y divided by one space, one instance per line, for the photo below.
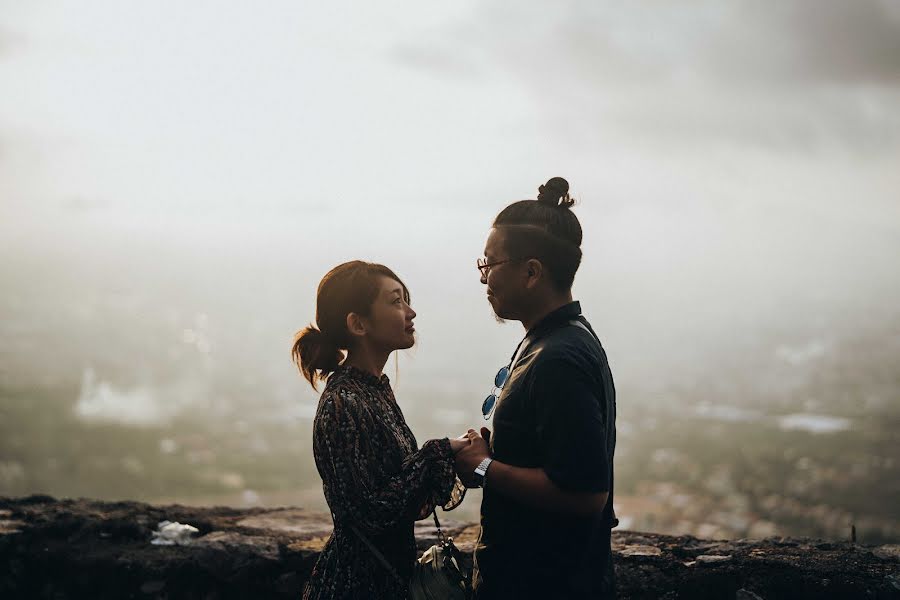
377 481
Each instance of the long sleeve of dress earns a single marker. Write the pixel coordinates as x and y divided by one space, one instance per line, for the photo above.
364 484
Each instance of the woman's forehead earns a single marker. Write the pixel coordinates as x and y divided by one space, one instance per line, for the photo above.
389 286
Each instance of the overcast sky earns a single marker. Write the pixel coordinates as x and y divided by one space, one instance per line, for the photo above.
205 107
754 144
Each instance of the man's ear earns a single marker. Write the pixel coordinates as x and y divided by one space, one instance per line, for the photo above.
535 272
355 325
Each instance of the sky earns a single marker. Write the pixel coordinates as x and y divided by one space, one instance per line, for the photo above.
176 177
208 109
720 151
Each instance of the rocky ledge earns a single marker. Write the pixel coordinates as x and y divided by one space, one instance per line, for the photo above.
61 549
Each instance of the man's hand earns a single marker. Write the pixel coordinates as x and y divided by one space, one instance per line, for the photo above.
457 444
486 434
470 457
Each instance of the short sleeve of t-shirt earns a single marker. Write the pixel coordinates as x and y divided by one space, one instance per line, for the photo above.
570 427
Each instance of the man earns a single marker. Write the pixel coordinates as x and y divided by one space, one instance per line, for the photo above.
547 468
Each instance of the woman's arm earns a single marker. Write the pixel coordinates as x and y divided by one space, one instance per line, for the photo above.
425 478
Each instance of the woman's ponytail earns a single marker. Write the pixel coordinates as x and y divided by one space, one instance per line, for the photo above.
315 354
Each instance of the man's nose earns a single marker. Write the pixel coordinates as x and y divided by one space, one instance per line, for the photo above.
483 278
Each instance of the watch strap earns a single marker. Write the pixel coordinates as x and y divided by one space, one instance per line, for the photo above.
481 470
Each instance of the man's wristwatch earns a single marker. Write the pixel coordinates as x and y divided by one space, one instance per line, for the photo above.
481 471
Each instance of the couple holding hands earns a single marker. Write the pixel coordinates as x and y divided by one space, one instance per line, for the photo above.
547 467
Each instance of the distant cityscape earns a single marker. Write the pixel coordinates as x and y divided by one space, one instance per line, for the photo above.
135 394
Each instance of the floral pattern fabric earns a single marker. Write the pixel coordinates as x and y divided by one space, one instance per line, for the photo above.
376 479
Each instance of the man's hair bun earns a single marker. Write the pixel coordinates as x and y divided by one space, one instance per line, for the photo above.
555 193
547 229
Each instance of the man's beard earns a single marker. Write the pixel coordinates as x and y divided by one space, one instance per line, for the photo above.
497 317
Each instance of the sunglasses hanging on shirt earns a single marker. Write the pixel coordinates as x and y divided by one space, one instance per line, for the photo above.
487 407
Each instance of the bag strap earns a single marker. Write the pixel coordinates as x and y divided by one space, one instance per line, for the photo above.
523 345
378 555
614 520
445 541
578 323
448 545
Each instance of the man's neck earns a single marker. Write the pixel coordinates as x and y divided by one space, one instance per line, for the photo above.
368 360
545 309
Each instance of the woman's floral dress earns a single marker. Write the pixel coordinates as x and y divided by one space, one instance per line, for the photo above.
376 479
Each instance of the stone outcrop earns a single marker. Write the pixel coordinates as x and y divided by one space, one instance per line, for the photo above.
61 549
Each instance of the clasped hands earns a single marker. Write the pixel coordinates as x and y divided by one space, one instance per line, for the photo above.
469 450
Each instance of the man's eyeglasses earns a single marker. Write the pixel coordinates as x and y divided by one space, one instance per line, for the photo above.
487 407
484 265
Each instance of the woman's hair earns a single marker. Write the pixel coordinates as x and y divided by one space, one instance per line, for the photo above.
545 229
350 287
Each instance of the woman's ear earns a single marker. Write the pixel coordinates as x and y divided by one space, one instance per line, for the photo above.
355 325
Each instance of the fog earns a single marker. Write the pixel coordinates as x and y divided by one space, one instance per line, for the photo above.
174 181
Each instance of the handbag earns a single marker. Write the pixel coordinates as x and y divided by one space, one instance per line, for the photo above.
437 575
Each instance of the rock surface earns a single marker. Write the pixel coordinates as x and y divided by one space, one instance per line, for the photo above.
61 549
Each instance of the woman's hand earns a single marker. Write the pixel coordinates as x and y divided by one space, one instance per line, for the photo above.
457 444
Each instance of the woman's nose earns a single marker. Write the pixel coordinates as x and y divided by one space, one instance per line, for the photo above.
412 314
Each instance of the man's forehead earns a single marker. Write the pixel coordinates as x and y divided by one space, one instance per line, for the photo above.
494 240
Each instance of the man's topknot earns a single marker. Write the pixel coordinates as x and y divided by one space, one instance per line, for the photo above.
555 193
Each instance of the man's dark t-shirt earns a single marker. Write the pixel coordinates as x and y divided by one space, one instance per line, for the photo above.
557 411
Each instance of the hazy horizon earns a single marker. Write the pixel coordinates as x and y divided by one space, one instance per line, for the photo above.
175 180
